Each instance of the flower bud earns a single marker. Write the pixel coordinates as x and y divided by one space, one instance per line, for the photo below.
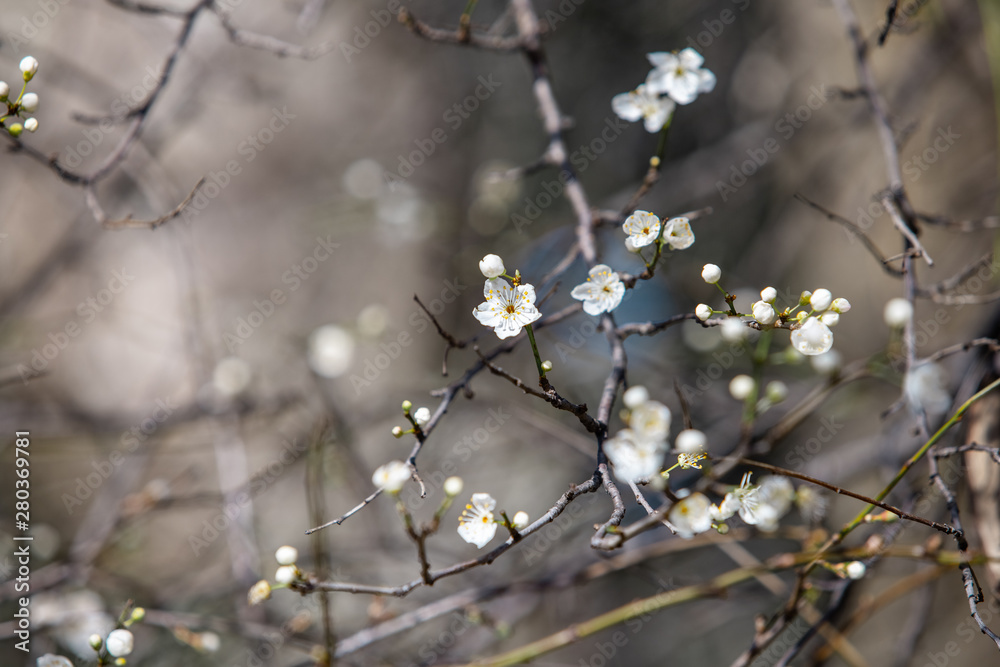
898 313
856 569
741 386
397 432
635 396
711 274
453 486
821 300
31 124
768 294
703 311
407 406
546 366
520 521
259 592
15 129
422 416
96 642
690 441
29 102
492 266
764 313
840 305
119 643
4 91
286 555
776 391
285 574
28 67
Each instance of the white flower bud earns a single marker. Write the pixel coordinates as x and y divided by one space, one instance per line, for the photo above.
690 441
821 300
635 396
491 266
453 486
703 311
95 641
711 273
764 313
422 416
546 366
119 642
31 124
210 642
733 330
741 386
29 102
286 555
856 569
28 67
52 660
259 592
840 305
520 521
4 90
285 574
829 318
898 312
776 391
768 294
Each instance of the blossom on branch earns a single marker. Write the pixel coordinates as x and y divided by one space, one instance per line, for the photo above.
507 309
813 337
646 104
642 228
602 292
476 525
679 75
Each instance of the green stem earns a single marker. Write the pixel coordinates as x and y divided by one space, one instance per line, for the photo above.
534 350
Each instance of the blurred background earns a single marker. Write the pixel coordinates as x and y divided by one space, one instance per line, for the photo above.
262 341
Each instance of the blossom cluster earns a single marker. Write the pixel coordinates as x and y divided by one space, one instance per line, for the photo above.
811 334
676 78
636 452
478 526
509 307
25 102
643 228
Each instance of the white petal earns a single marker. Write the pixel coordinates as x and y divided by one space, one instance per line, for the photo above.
625 106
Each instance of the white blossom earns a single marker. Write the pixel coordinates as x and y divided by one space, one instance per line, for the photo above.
812 337
678 233
650 421
634 459
733 330
774 498
4 90
691 515
840 305
421 416
741 386
679 75
453 486
830 318
856 569
31 124
29 102
602 292
821 300
764 313
285 575
635 396
392 476
646 104
119 643
690 441
507 309
331 351
742 499
926 389
492 266
642 228
711 273
520 520
768 294
28 67
476 525
703 311
286 555
898 312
